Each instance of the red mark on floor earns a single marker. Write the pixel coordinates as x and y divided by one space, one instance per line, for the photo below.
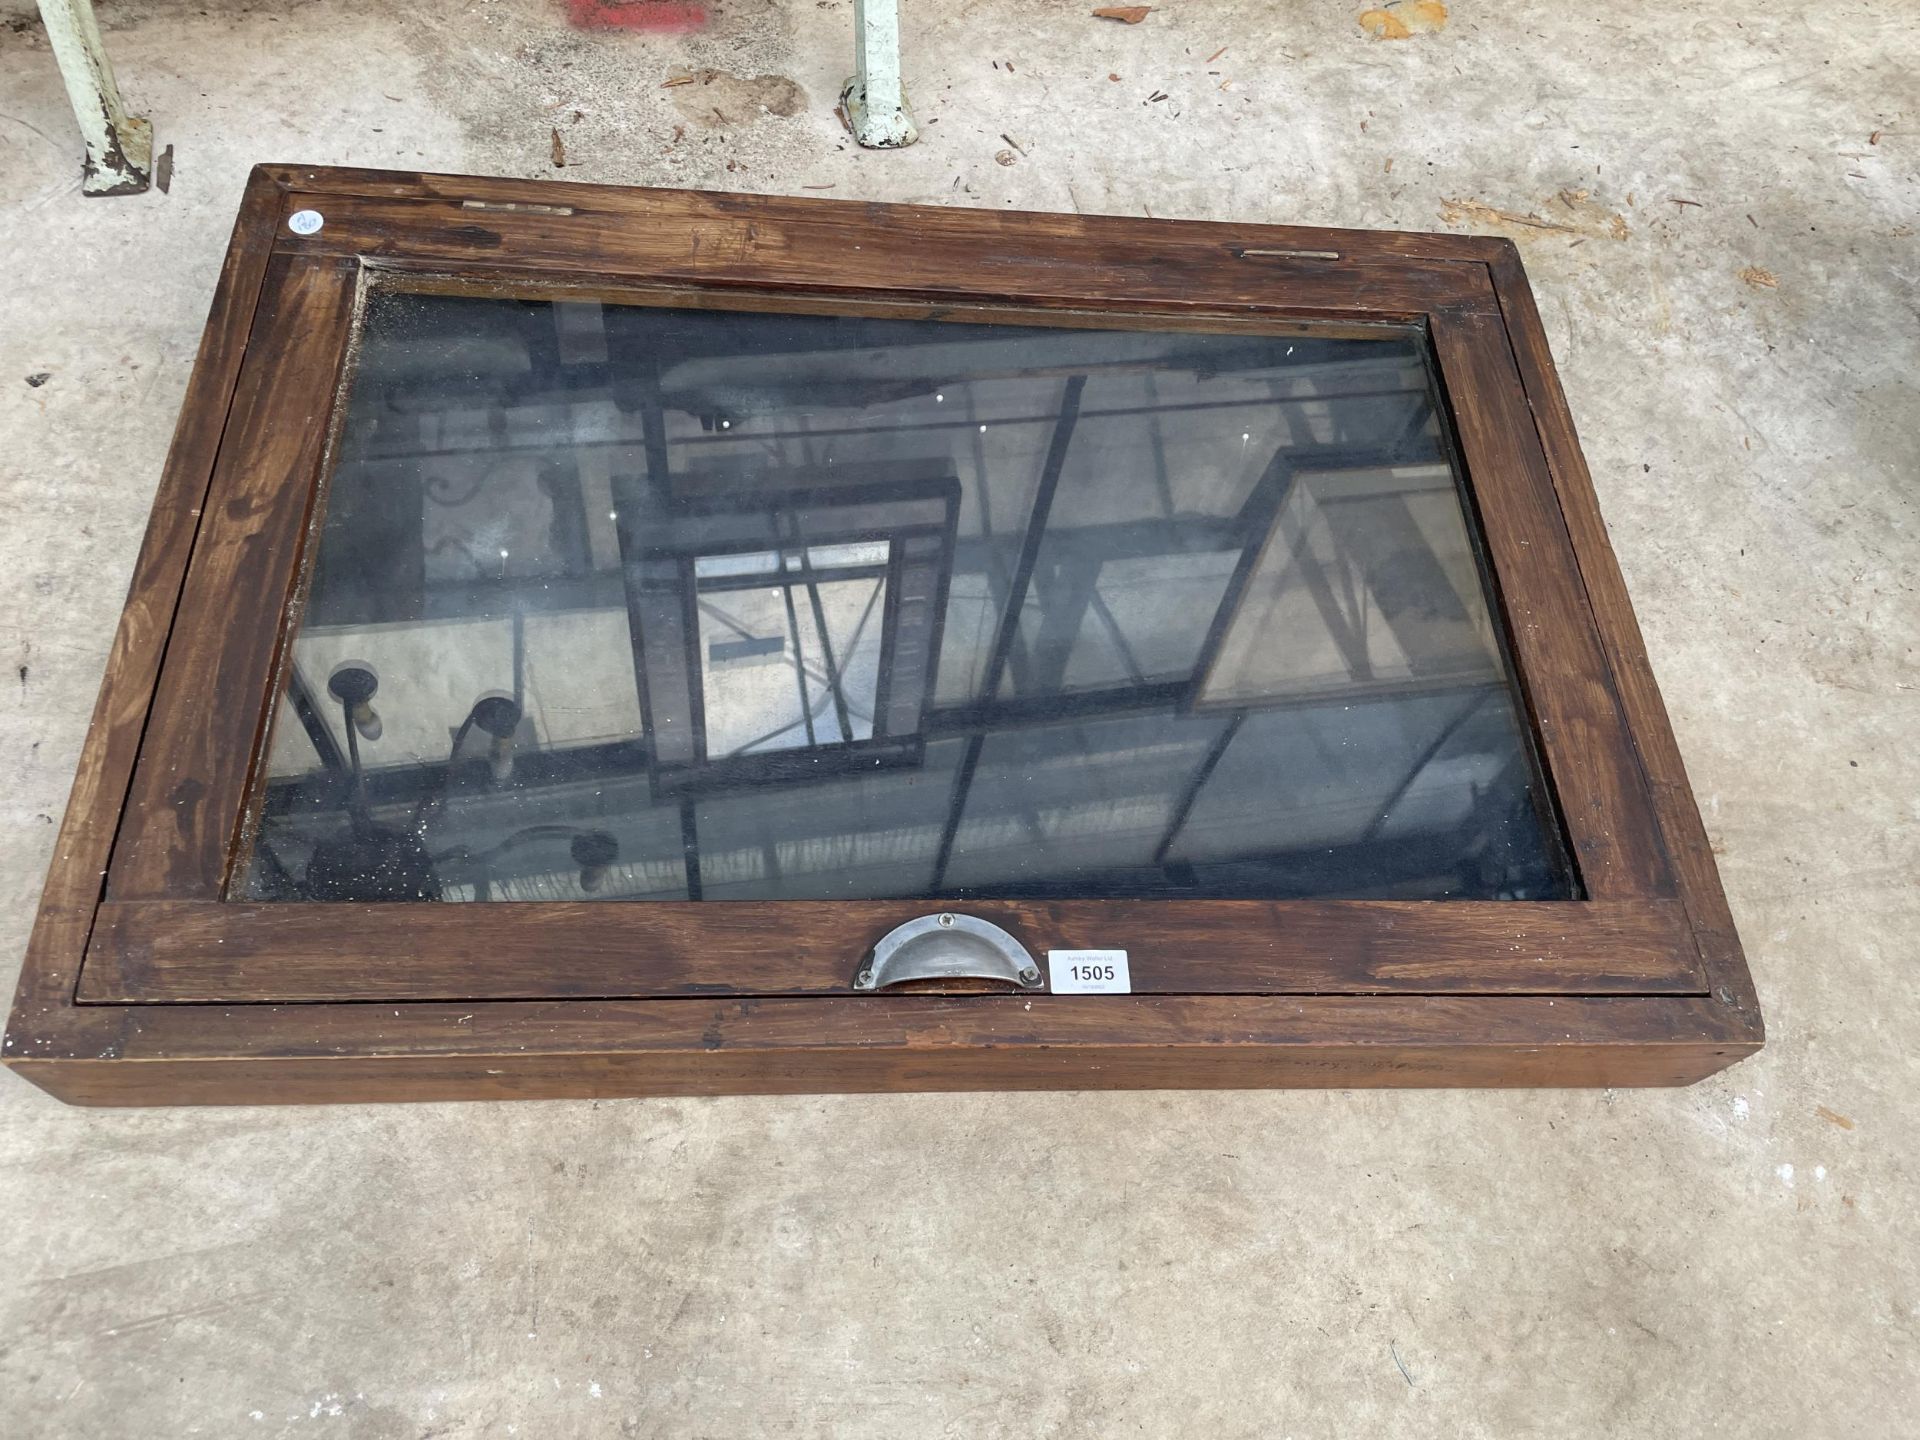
660 15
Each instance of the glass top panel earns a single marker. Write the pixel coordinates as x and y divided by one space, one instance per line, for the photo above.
627 602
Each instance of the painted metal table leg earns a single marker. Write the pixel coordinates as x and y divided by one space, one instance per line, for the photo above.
876 98
119 146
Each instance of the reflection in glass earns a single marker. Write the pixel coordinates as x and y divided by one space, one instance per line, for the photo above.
633 603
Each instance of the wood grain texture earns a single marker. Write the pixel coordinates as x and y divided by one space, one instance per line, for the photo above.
55 951
966 225
214 694
1565 680
235 953
580 1048
492 282
894 250
864 1070
1688 846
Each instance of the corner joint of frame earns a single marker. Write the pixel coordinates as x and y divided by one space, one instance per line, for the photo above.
272 175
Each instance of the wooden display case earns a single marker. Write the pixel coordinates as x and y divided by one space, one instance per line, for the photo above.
1226 603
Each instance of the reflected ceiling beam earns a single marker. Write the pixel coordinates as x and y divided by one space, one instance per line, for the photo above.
635 502
738 435
690 846
799 657
819 609
1004 639
1195 784
1009 631
1419 766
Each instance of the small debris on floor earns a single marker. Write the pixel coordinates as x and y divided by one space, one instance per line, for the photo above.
1125 14
559 152
39 378
1005 157
1583 216
1403 19
718 98
1759 278
163 171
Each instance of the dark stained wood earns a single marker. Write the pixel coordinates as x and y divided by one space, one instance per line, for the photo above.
1564 677
204 951
43 1002
174 850
1688 847
1196 1065
214 695
924 252
493 283
1635 986
956 225
582 1048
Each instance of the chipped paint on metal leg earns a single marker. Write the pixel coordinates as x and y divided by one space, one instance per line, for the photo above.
119 158
876 98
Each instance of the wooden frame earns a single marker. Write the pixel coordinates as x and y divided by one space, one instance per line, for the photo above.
143 985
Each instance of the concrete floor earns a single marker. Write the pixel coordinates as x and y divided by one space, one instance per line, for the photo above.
1735 1258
